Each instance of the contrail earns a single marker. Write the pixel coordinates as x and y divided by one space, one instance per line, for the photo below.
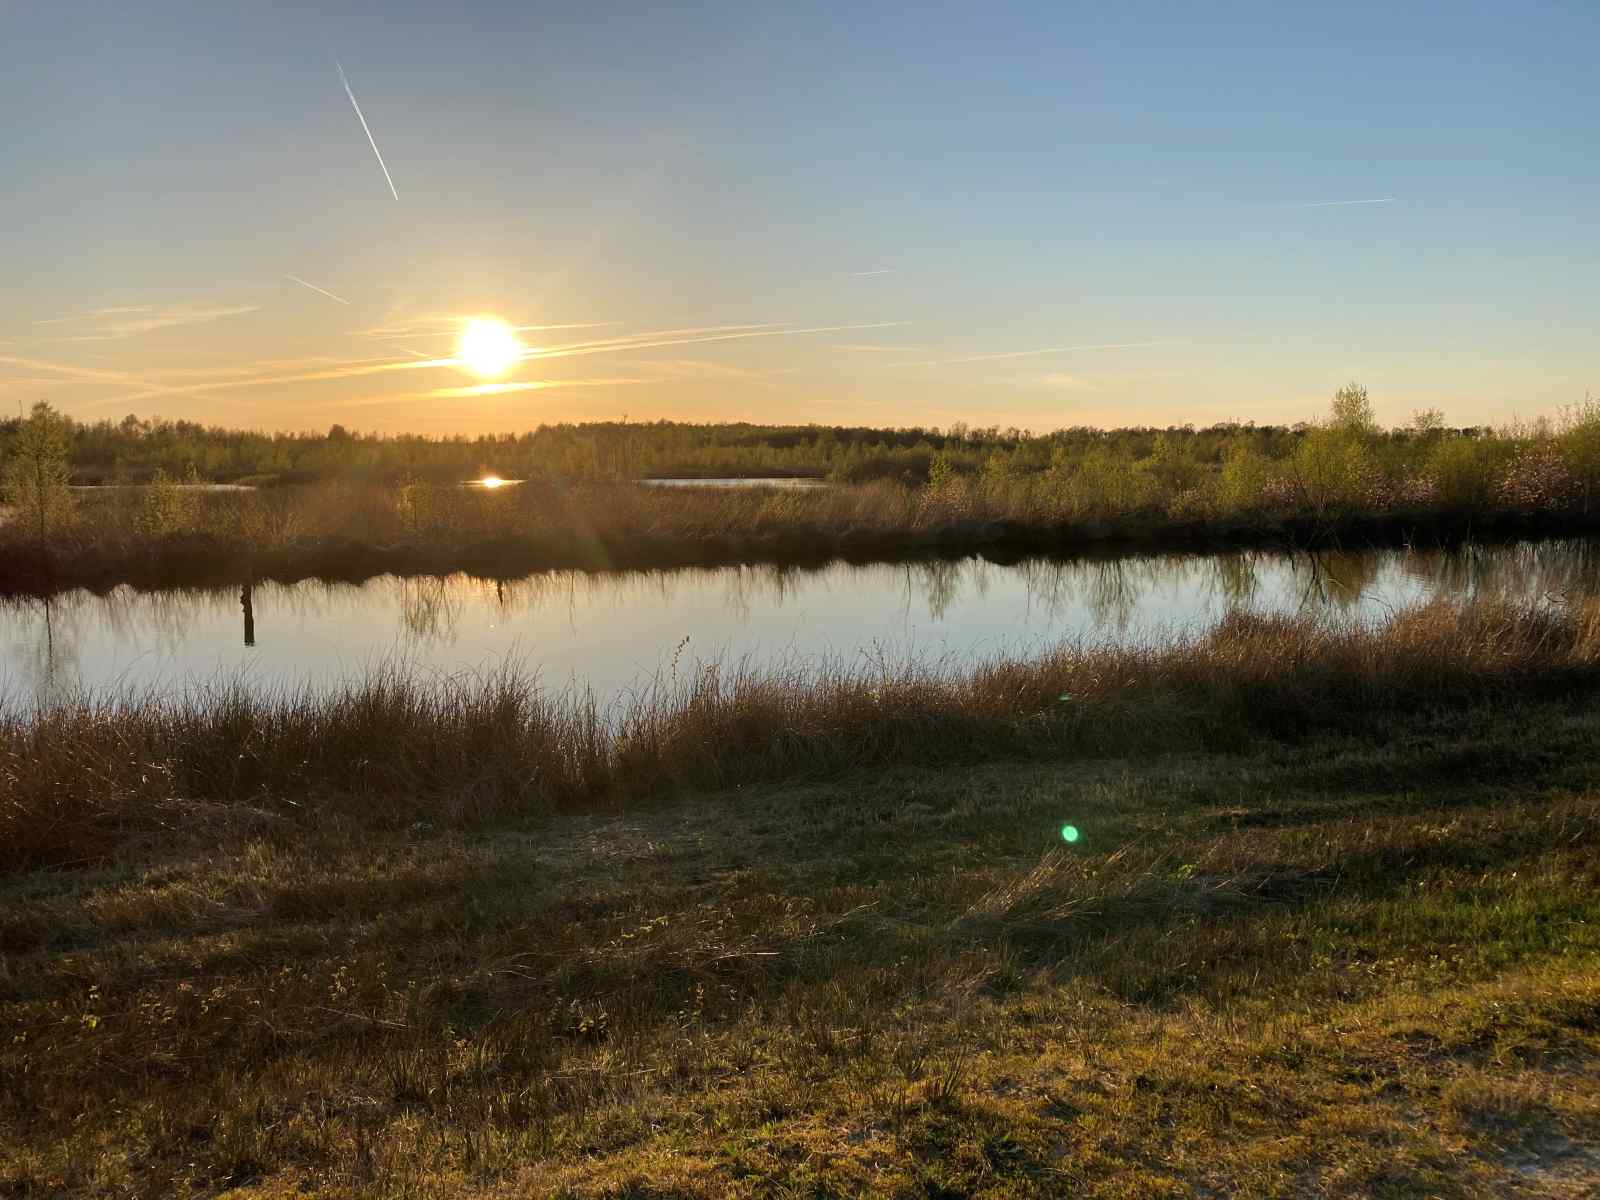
350 372
972 358
621 347
1342 203
530 385
315 288
364 126
151 387
864 274
365 367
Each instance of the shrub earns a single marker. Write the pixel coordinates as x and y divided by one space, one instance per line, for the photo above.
1333 469
168 508
1538 478
1463 473
1246 473
1578 441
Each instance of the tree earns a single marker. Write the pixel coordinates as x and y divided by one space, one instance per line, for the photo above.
36 475
1352 411
1427 423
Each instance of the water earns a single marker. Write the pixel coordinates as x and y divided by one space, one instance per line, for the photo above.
790 484
614 632
182 487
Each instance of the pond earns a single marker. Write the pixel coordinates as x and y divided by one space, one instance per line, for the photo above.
613 632
790 483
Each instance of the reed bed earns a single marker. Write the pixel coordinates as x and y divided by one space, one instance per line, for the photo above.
354 531
395 748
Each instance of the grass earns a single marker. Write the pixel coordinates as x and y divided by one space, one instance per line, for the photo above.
348 531
1345 965
80 779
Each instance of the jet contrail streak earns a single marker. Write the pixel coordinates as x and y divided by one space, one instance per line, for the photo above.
1342 203
350 372
364 367
530 385
151 388
391 335
371 140
972 358
315 288
621 347
864 274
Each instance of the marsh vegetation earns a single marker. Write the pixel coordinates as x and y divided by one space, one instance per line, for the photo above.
396 504
1297 901
825 934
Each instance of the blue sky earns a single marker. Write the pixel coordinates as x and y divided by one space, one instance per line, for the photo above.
1072 214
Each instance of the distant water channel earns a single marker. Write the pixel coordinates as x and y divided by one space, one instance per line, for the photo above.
615 632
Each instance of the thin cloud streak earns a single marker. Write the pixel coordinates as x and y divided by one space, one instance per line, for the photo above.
864 274
420 329
28 381
351 372
305 283
876 348
262 366
972 358
98 376
1342 203
529 385
97 312
570 325
702 369
114 324
657 334
365 367
461 393
564 352
370 139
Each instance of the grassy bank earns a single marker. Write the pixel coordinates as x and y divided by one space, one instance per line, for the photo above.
353 532
1363 963
81 779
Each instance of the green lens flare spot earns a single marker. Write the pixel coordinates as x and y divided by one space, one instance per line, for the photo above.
1069 833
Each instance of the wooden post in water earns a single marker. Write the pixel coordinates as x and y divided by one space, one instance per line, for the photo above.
249 607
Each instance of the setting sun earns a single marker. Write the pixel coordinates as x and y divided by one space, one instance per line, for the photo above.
488 348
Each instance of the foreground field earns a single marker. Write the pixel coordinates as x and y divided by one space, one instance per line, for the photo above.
1337 968
1334 931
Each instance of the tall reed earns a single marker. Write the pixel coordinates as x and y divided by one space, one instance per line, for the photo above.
394 748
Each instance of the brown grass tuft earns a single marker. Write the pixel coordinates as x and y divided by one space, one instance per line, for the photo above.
392 749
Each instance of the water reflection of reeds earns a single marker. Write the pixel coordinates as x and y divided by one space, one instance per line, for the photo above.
1095 597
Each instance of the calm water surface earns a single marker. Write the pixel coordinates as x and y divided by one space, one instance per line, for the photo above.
615 632
790 484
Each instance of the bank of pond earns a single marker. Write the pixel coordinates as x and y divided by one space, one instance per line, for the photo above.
615 633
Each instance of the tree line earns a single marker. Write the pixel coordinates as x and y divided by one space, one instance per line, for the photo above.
134 450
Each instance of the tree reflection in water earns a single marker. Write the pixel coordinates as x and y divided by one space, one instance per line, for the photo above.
129 639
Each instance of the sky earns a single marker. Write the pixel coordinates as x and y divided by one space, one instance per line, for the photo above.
1036 215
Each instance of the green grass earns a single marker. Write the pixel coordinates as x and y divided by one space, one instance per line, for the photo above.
1331 927
1338 968
80 779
